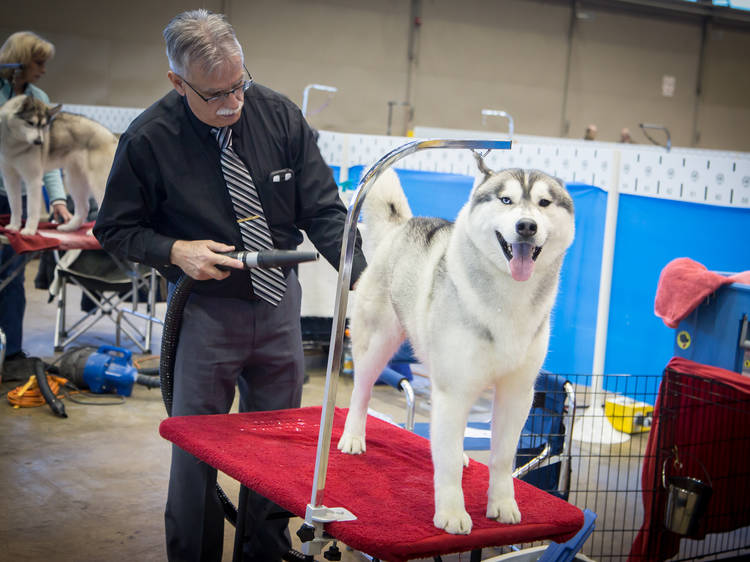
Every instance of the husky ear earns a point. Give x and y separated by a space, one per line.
27 104
482 165
53 110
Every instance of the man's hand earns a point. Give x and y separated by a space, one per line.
198 259
60 212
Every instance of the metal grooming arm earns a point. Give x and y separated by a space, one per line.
317 514
499 113
645 126
306 93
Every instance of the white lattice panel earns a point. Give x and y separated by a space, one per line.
707 177
699 176
334 148
742 183
116 119
364 150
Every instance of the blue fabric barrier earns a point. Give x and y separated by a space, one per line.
571 347
650 234
430 194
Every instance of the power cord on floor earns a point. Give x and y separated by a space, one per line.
98 399
29 395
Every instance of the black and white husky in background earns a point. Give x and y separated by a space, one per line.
36 138
474 298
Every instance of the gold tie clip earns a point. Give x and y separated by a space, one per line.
250 218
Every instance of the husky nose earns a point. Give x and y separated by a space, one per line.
37 141
526 228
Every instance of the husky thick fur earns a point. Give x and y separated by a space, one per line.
474 299
36 138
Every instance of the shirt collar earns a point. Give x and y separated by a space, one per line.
203 129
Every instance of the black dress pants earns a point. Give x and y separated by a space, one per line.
223 343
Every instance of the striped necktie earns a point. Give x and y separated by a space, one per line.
268 284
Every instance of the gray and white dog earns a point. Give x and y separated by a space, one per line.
36 138
474 298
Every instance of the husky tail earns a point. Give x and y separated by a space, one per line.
384 209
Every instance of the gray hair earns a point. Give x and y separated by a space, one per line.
199 37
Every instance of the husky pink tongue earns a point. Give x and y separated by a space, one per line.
521 266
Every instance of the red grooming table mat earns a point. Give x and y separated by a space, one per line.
49 238
389 488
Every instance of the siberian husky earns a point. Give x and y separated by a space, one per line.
36 138
474 298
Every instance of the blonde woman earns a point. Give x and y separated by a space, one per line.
32 53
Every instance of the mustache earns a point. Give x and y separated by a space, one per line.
228 111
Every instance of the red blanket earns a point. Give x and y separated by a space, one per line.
49 238
389 488
683 284
705 412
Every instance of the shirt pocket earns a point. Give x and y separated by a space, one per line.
279 192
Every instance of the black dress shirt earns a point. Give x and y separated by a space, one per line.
166 184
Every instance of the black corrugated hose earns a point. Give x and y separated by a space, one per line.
170 337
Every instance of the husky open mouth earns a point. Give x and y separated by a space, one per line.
521 257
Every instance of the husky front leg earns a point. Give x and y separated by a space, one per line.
13 188
33 204
449 414
513 398
77 185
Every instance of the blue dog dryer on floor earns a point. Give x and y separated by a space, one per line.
110 369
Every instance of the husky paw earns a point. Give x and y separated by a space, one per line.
70 226
352 444
13 226
455 522
26 231
504 511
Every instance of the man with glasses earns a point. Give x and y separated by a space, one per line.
222 163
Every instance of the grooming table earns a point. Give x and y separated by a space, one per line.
46 238
389 488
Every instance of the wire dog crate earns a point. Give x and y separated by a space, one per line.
664 461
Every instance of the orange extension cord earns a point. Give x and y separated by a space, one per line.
28 395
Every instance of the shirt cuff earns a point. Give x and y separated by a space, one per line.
159 250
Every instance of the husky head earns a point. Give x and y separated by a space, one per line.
28 118
520 219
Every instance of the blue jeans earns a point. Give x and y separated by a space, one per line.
13 296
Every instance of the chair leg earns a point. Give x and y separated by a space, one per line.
60 317
239 531
564 552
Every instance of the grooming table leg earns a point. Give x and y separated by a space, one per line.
239 531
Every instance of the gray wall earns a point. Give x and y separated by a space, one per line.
469 55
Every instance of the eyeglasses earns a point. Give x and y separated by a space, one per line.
244 85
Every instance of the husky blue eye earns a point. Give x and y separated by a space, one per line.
544 202
506 200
